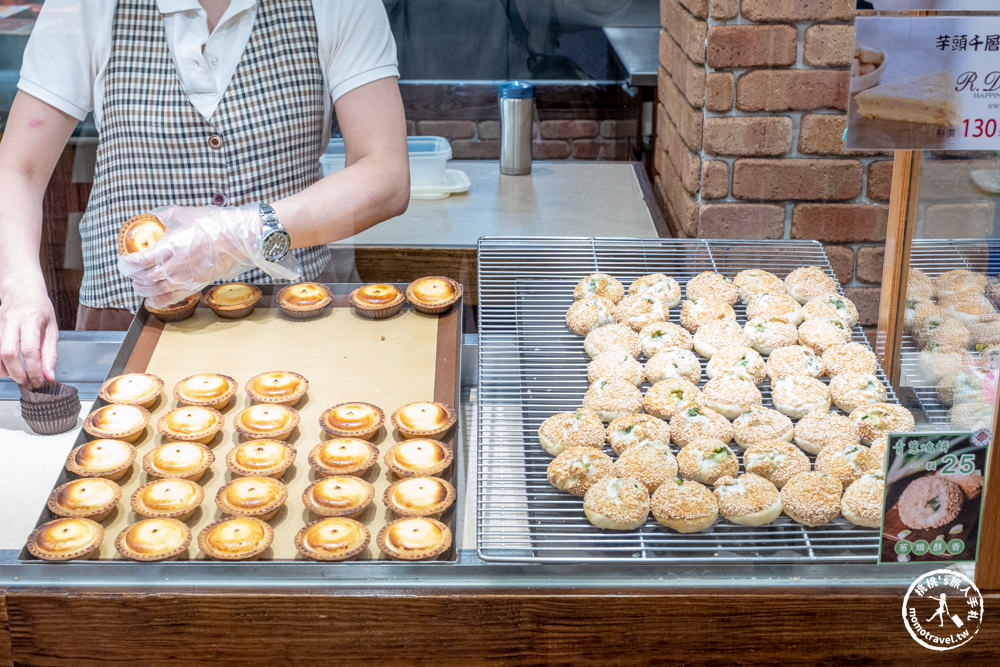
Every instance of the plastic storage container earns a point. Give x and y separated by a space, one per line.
428 157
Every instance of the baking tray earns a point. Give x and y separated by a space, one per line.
345 357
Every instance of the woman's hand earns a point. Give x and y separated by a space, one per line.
202 244
28 329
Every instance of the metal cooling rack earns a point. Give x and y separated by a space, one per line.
532 366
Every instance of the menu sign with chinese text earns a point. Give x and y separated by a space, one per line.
925 83
933 497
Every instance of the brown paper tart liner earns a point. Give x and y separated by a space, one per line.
389 458
276 470
434 308
347 554
366 433
113 474
436 432
144 402
50 409
291 400
180 514
350 511
376 311
237 311
83 552
128 435
123 231
246 555
192 475
176 312
98 513
277 434
426 554
165 555
297 312
433 512
204 437
263 512
217 402
358 469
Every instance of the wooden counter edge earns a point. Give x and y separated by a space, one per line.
808 625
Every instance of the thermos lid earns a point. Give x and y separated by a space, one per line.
516 90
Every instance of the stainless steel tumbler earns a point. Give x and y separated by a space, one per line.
517 100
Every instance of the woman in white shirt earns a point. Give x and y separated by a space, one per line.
215 109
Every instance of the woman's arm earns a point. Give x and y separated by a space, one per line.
33 140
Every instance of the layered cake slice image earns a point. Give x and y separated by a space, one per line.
929 99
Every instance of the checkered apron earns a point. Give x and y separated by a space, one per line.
262 143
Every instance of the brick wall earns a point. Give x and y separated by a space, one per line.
750 115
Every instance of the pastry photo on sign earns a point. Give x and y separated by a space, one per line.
927 98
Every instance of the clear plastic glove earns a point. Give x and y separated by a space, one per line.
28 331
202 244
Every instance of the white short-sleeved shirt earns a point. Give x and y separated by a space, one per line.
66 58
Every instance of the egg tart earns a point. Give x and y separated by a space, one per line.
208 390
424 419
132 389
256 496
153 539
176 312
343 456
238 538
89 498
418 457
140 232
302 301
284 387
105 457
419 496
118 422
434 294
266 458
66 539
378 302
333 538
232 301
191 423
172 498
185 460
352 420
339 495
414 538
266 421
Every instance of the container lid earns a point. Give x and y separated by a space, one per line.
517 90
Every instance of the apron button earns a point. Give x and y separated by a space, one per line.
215 142
219 199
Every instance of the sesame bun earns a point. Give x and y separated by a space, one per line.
879 419
714 336
944 331
576 469
610 337
937 363
831 305
615 365
638 311
651 464
812 498
659 286
878 449
752 282
930 502
749 500
848 358
766 335
862 501
985 331
673 363
972 416
616 503
599 284
850 391
958 281
665 398
738 361
775 460
637 429
822 428
966 386
807 282
697 312
694 423
919 285
612 398
658 336
821 333
684 505
793 360
847 462
582 428
918 310
969 311
775 306
590 313
708 284
760 424
796 395
729 396
705 461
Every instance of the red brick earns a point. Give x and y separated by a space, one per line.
449 129
840 223
870 259
867 300
688 119
879 180
798 178
687 76
723 9
719 91
792 90
619 129
748 135
569 129
550 150
473 149
790 11
585 149
959 221
687 29
751 45
489 129
822 134
681 207
714 179
697 7
686 162
741 221
615 149
829 45
842 260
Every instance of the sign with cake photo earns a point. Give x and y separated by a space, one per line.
925 82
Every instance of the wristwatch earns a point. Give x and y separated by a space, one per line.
275 242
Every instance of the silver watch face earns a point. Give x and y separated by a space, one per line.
275 245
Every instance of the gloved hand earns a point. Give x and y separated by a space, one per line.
202 244
28 329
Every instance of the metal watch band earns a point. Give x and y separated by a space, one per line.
270 218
